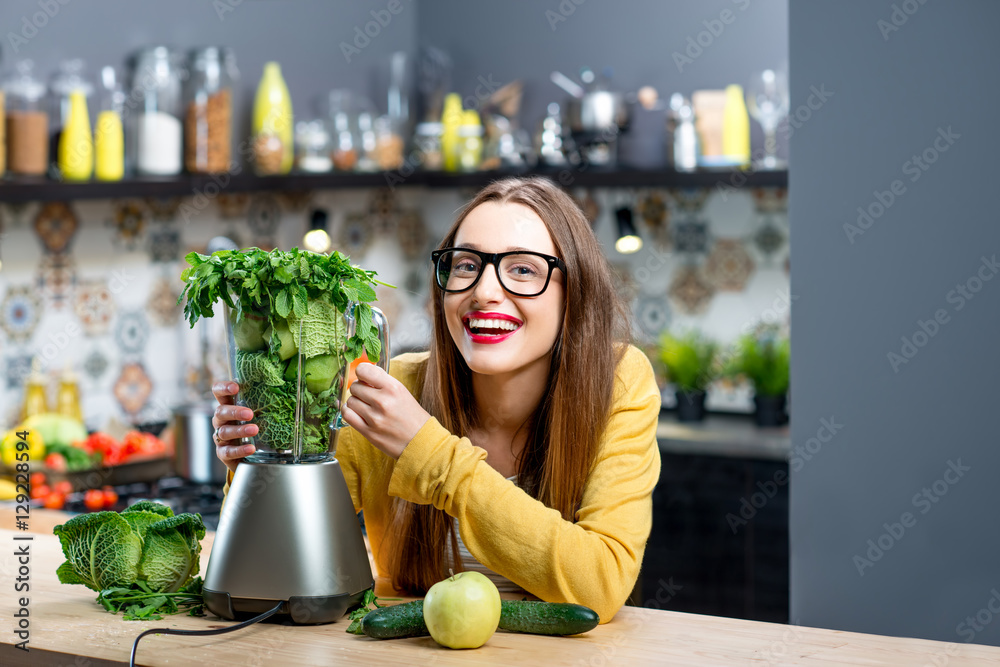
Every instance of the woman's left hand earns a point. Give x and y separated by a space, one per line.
383 410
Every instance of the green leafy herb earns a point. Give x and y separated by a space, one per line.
369 603
143 561
763 358
283 283
689 360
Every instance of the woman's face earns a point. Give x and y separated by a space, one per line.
537 321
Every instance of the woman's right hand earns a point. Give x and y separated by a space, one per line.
228 451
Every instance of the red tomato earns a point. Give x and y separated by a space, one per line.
133 443
93 500
37 479
56 462
110 497
54 501
64 487
40 491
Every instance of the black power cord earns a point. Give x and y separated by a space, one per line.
173 631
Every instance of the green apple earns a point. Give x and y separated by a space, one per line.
463 611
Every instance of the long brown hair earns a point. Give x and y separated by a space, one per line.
564 433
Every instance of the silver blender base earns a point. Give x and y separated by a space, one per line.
288 532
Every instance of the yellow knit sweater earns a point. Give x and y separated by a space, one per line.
594 561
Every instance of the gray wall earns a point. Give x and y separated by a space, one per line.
902 427
303 35
527 40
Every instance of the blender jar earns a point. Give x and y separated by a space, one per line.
292 373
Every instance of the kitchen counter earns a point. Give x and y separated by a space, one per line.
67 622
734 436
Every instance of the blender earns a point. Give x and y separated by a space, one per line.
288 532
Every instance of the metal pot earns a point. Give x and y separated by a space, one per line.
596 111
194 449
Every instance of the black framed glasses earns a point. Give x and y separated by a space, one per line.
520 272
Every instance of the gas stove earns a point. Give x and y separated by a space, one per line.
179 494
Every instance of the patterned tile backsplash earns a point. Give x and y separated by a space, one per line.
91 286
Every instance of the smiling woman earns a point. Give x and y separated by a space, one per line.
522 445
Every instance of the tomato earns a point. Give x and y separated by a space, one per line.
55 501
133 443
40 491
37 479
110 497
56 461
64 487
93 500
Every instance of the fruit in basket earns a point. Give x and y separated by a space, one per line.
56 461
55 429
9 446
462 611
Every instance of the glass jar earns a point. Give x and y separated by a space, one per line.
69 78
344 153
312 147
208 112
388 144
366 135
427 138
292 373
27 123
154 113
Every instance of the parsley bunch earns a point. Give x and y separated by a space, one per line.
282 282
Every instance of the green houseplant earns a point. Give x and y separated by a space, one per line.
689 361
763 359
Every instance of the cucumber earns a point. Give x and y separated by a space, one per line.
525 616
397 621
546 618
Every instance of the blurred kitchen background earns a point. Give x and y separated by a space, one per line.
650 113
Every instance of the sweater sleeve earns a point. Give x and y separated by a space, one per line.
594 561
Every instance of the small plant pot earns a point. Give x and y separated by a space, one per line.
690 406
770 410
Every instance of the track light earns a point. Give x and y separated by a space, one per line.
317 239
629 240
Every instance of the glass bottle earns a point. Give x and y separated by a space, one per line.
27 123
312 142
35 400
68 397
109 137
272 123
208 112
451 118
154 113
470 141
70 78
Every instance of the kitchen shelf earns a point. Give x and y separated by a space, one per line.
186 185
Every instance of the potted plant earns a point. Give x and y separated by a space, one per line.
689 363
763 359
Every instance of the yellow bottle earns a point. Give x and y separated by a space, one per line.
35 401
470 138
109 146
451 119
76 145
735 128
68 398
272 123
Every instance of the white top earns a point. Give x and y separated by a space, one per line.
470 564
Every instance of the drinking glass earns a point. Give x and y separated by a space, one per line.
767 103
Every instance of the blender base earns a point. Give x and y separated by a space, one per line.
301 610
288 532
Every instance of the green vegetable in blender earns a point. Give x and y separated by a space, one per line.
143 561
321 371
291 303
248 331
287 346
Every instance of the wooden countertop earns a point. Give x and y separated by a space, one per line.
67 622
